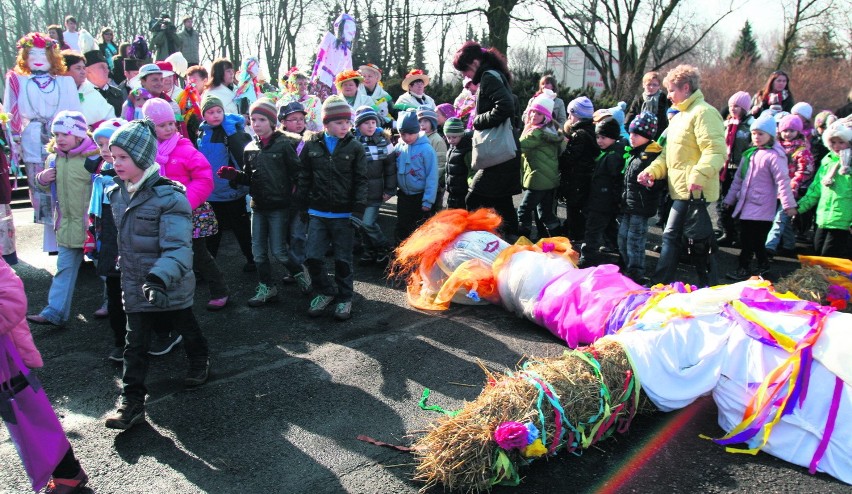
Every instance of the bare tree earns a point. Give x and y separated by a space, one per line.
622 34
801 15
525 60
280 23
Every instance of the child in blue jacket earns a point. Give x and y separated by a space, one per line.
416 176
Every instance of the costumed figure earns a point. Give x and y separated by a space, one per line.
414 84
334 54
247 89
778 366
372 87
36 90
296 89
348 84
465 102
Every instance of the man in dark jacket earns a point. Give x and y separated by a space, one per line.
164 37
97 72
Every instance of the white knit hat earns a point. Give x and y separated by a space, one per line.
802 109
543 103
841 128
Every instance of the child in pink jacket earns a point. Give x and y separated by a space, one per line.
761 179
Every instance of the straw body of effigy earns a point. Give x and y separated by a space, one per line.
573 400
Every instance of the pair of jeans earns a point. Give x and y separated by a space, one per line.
672 245
373 236
409 214
140 330
58 309
117 317
269 228
341 235
632 233
504 206
541 202
232 215
298 237
782 233
204 264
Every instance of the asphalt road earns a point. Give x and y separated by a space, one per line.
288 396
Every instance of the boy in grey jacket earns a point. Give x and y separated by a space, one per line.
154 222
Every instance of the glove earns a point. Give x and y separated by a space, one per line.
228 172
155 291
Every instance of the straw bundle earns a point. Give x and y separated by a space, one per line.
459 452
808 283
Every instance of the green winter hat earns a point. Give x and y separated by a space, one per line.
138 139
453 127
210 101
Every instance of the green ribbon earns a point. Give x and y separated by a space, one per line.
434 408
504 470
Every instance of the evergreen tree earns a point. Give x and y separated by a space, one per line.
745 50
484 41
357 43
372 45
419 46
823 46
470 36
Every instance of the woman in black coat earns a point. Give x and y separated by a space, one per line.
653 99
493 187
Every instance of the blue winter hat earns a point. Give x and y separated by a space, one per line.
582 107
645 125
429 114
107 128
407 123
766 123
364 113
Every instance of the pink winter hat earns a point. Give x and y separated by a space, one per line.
741 99
158 111
791 122
543 103
447 110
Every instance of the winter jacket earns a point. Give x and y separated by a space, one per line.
800 165
607 180
695 150
381 166
760 180
189 167
495 103
540 150
93 105
13 313
270 172
381 100
189 45
833 202
663 105
458 171
224 145
417 169
73 189
333 182
155 237
637 199
439 145
360 99
577 162
407 101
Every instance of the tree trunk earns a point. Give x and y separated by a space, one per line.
499 16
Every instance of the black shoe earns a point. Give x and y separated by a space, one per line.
162 346
739 275
368 258
117 354
383 257
770 254
250 267
763 270
127 415
657 248
786 253
198 374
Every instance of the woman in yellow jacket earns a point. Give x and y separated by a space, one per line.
691 160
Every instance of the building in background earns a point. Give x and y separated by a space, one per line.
573 69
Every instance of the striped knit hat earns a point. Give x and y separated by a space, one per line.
453 127
582 107
266 108
335 108
645 125
70 122
138 139
429 114
364 113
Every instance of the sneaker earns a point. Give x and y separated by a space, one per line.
117 354
343 311
67 486
318 305
304 281
217 303
265 294
739 275
197 374
127 415
102 312
163 345
368 258
250 267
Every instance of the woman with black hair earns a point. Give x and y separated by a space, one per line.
493 187
221 83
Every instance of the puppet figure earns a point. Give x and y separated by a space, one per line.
334 54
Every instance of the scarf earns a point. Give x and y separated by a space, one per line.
731 135
165 148
783 95
133 188
651 102
246 80
747 155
